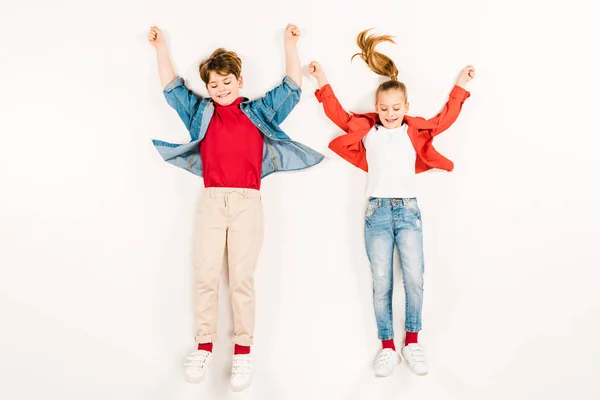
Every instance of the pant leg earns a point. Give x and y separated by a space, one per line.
409 239
244 241
209 252
379 241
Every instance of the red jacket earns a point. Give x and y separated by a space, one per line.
420 130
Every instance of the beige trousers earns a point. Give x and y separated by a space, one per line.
227 220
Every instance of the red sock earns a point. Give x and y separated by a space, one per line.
241 349
411 337
205 347
388 344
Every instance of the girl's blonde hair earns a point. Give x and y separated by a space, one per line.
378 62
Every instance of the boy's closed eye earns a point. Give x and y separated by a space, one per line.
215 86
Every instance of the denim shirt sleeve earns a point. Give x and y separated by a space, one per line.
277 103
182 100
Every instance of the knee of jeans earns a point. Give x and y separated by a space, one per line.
413 282
382 285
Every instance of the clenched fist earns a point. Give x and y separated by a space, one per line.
156 37
292 34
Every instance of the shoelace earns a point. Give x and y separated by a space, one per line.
417 353
197 359
383 358
241 365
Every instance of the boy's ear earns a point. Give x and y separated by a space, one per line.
406 107
241 81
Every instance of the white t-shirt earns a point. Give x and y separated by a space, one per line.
391 158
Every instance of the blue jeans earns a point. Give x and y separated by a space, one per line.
389 222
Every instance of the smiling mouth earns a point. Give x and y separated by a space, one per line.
223 95
391 121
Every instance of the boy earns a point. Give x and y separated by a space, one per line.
234 144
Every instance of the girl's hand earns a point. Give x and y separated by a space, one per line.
465 76
314 69
468 73
156 37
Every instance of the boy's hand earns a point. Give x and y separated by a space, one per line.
314 69
292 33
156 37
465 76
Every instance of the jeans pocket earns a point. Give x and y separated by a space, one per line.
371 208
413 207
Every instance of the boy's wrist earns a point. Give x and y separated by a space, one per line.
162 47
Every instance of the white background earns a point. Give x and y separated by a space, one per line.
96 230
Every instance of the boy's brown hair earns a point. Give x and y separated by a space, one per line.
221 61
378 62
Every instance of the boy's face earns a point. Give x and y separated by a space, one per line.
391 107
224 89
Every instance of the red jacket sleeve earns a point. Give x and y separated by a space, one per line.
333 109
450 112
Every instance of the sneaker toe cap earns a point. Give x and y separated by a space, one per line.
194 374
240 381
382 372
420 368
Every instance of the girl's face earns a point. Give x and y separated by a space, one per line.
391 106
224 89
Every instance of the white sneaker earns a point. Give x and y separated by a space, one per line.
196 364
415 355
386 362
241 372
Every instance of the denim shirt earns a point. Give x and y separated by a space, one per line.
280 153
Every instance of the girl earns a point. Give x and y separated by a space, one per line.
392 146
